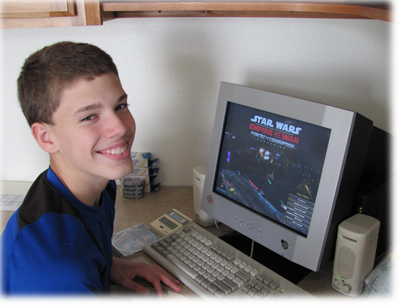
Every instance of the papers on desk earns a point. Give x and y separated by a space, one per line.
12 194
10 202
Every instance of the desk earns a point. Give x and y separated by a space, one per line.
130 212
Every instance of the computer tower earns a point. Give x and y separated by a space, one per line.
202 218
381 154
379 198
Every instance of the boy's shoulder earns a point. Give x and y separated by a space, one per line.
43 198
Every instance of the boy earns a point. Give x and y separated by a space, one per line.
59 240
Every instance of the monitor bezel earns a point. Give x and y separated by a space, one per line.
257 227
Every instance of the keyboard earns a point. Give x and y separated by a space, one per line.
214 269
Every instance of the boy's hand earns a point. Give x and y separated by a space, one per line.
123 272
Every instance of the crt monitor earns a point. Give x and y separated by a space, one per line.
284 171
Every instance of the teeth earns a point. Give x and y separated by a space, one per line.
118 150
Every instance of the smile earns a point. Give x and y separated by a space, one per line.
115 151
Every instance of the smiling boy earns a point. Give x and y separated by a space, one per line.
59 240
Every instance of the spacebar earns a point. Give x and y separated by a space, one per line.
181 265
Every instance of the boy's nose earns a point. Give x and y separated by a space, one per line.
115 127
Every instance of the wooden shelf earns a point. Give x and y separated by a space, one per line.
48 13
243 9
56 13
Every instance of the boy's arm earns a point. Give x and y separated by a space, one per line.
123 272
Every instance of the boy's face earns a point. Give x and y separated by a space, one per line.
94 130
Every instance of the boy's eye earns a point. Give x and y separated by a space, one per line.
121 106
88 118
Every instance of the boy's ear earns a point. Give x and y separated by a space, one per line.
43 136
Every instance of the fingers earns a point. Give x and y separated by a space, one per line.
155 275
158 288
171 282
123 273
135 287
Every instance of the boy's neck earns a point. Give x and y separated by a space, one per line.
87 193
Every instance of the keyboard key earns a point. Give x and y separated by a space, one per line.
222 287
273 285
266 291
221 277
219 294
259 286
229 257
246 288
212 288
194 233
238 281
212 278
174 236
254 272
242 265
232 285
259 296
199 279
205 283
252 292
224 253
185 268
248 268
186 229
267 281
244 276
230 276
168 240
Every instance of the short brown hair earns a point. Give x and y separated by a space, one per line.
47 72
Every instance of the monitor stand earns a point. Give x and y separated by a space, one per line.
285 268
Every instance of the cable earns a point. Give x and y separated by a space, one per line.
220 229
252 248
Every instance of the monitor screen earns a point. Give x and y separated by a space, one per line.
271 164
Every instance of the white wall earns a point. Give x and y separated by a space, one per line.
171 69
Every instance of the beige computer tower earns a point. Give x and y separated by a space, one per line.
355 253
202 218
